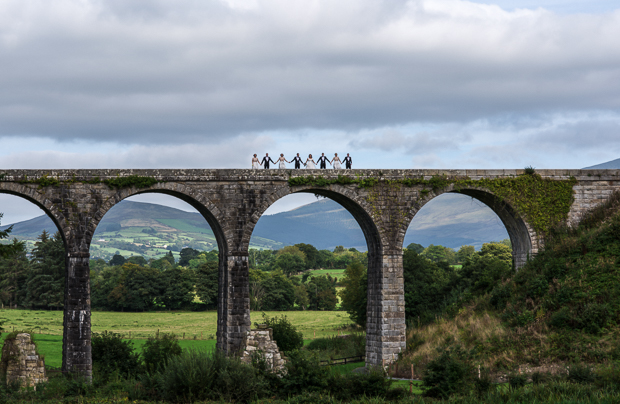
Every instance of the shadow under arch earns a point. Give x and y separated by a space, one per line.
376 336
522 236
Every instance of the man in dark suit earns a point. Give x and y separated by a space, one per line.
266 160
322 161
297 161
348 161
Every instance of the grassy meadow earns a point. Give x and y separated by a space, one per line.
194 329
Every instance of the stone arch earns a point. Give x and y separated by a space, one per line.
522 236
385 326
30 194
346 197
209 211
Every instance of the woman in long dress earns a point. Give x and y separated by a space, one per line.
255 163
310 164
282 160
336 162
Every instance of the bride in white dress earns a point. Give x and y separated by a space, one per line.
336 162
255 163
310 164
282 160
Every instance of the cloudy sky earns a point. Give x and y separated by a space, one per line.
398 84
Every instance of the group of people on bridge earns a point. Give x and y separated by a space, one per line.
309 163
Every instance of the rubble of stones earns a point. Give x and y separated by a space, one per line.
260 342
20 362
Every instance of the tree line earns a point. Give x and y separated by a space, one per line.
279 279
433 284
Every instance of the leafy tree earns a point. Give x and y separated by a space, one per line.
14 268
339 249
137 289
326 259
117 259
497 250
290 263
4 249
311 253
301 296
354 293
186 255
428 285
177 288
137 259
170 258
465 252
322 293
293 250
483 270
97 265
418 248
206 279
46 281
279 292
437 253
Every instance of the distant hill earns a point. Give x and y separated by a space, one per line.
452 220
610 165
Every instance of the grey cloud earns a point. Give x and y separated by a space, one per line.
234 153
419 143
189 71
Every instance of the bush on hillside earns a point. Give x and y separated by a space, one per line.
447 374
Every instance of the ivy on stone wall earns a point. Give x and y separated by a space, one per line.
130 181
543 202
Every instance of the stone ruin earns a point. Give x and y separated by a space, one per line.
260 342
21 363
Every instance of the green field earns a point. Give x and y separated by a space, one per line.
199 325
194 329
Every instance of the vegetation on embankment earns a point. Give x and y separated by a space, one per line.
562 307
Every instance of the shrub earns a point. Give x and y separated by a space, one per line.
595 316
200 376
284 333
113 355
370 384
580 373
157 351
303 373
517 380
447 374
538 377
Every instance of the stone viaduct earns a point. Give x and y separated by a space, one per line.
232 201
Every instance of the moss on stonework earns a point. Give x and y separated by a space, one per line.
113 183
543 202
130 181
